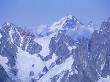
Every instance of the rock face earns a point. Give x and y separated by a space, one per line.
3 75
69 52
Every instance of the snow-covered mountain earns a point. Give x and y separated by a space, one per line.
66 51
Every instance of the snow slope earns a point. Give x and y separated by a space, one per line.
57 69
104 79
27 63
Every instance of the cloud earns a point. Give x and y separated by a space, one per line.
40 29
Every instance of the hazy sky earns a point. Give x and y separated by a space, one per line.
31 13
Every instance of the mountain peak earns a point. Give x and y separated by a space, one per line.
6 24
70 17
69 21
108 19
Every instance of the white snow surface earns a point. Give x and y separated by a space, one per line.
61 76
3 61
57 69
76 71
104 79
24 65
21 41
44 42
50 61
102 66
70 47
0 35
10 34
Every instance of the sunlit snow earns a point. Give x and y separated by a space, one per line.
24 65
10 34
104 79
57 69
0 35
44 42
3 61
50 61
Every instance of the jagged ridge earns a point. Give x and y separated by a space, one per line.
58 56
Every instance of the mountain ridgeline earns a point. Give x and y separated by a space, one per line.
68 51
